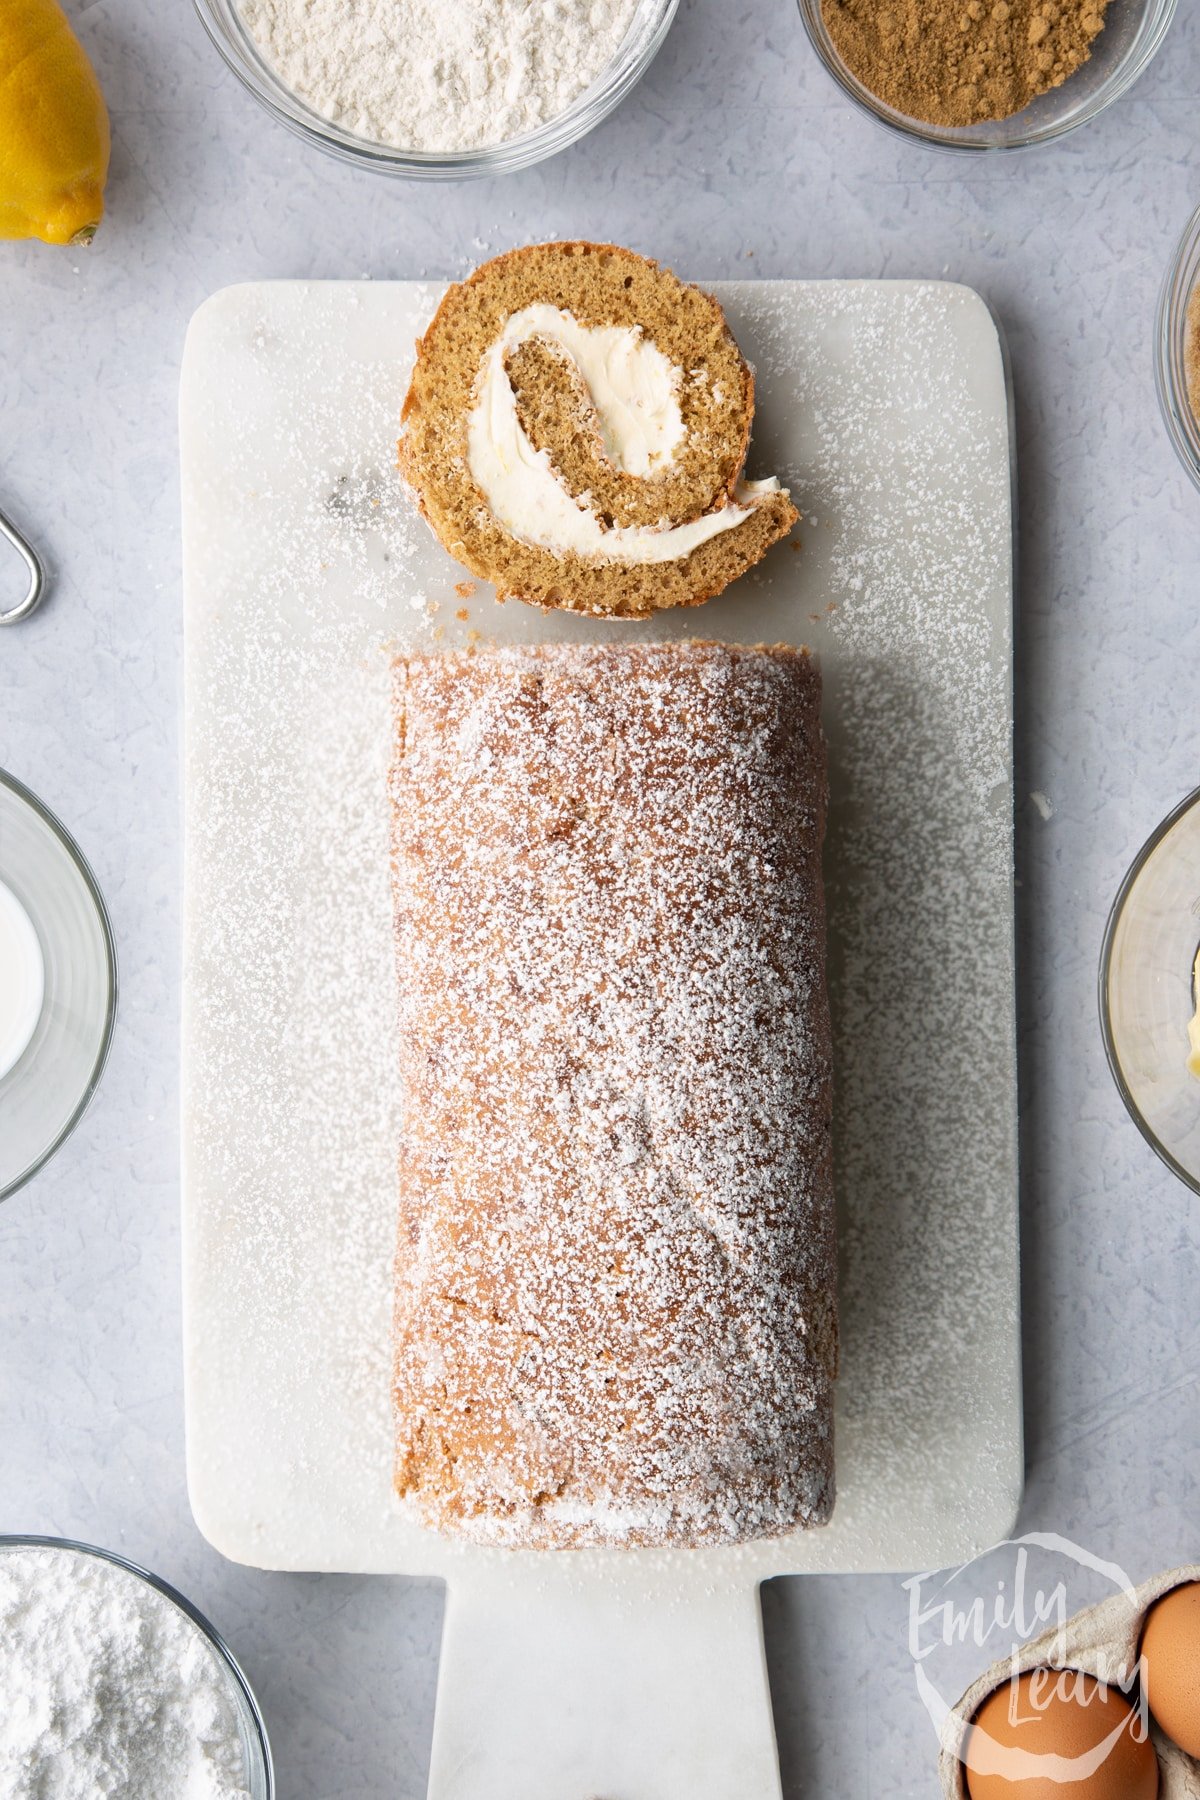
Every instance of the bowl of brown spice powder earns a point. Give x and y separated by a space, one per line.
985 74
1177 369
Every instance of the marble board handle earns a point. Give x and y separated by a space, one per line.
591 1689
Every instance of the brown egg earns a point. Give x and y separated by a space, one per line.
1058 1735
1171 1665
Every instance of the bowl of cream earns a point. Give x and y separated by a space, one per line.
58 984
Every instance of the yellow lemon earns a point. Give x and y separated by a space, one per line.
54 139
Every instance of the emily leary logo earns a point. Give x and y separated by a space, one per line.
985 1612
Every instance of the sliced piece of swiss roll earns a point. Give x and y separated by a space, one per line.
576 433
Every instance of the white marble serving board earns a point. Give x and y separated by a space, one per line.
885 407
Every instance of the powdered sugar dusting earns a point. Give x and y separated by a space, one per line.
883 407
616 1267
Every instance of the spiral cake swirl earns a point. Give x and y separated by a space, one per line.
576 432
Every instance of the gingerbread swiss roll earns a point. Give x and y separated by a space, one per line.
615 1314
576 431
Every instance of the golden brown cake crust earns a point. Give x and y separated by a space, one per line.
615 1300
599 284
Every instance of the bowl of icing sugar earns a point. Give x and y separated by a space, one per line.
114 1685
439 88
58 984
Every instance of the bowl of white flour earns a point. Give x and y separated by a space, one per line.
439 88
114 1685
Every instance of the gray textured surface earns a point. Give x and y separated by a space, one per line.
736 156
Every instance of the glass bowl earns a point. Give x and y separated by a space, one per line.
52 924
1133 31
223 22
1146 999
1170 368
256 1749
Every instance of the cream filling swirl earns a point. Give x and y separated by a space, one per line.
634 389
